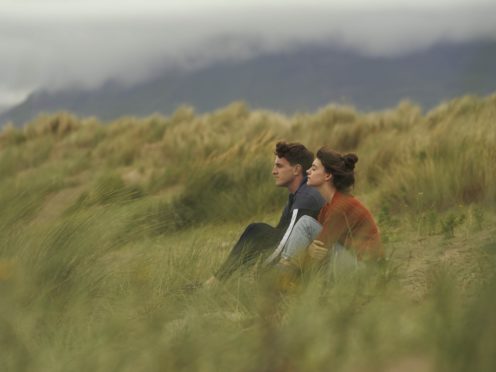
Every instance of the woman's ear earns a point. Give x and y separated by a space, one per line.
328 176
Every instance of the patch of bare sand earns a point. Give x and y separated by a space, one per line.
56 203
463 256
411 364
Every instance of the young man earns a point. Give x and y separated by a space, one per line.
262 240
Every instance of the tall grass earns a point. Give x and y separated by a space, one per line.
103 228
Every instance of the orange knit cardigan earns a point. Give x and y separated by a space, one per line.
347 221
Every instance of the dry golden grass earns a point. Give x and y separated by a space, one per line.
102 227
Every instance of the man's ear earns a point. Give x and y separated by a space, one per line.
298 169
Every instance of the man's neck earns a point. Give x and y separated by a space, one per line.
295 184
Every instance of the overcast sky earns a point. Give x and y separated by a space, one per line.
52 44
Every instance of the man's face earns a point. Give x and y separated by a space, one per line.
283 172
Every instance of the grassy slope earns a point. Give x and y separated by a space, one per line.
102 226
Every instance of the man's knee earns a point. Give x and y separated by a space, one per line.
259 230
252 227
256 236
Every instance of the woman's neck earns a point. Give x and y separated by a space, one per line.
327 191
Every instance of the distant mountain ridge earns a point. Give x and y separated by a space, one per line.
300 80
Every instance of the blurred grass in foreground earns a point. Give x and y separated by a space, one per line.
102 226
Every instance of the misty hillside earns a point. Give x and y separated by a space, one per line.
301 80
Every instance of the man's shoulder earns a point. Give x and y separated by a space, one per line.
308 198
308 190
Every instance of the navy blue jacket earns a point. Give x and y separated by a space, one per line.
306 198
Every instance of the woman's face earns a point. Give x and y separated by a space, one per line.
317 174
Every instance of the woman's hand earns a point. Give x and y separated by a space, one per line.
317 251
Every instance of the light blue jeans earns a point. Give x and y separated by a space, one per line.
341 262
304 232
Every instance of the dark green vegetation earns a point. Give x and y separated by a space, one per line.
102 226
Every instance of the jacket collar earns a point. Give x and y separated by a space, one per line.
303 182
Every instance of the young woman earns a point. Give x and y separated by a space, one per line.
345 232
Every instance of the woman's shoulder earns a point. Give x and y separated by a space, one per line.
347 202
343 199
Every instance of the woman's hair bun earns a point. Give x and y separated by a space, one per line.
350 161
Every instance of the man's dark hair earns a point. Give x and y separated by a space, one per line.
295 153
